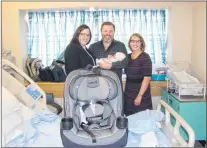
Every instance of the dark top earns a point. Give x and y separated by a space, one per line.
139 67
98 51
135 71
77 57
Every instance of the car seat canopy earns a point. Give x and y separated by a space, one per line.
93 87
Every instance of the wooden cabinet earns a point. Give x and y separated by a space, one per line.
52 87
58 88
193 111
156 87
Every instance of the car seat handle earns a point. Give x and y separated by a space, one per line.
95 70
89 67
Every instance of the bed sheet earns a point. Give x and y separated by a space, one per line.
134 140
43 130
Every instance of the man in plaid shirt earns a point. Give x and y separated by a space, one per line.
109 46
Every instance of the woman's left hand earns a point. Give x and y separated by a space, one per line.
138 100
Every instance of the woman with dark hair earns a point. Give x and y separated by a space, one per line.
137 96
76 54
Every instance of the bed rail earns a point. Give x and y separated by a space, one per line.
173 132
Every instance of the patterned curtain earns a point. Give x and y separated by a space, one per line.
50 32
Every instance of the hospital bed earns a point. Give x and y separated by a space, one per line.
50 126
15 83
39 127
25 89
20 98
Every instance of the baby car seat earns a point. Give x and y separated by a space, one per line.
93 110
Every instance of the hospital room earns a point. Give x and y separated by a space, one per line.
103 74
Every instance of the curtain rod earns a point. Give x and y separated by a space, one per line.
65 10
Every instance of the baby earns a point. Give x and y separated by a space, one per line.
119 56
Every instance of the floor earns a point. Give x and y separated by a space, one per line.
198 144
155 101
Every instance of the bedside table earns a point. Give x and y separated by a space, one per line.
192 109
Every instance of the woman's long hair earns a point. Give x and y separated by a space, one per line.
77 33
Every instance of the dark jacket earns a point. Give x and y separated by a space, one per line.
76 57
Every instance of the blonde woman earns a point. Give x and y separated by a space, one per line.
137 96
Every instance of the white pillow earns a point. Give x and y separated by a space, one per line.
11 118
10 103
11 122
10 125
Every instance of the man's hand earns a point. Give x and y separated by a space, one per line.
105 65
138 100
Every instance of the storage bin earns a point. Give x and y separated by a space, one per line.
158 77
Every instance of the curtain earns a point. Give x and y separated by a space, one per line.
50 32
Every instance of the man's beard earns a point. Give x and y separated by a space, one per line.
107 40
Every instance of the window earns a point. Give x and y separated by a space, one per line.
50 32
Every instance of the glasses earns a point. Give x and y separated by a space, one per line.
135 41
86 35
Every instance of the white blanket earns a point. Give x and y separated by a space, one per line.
144 130
149 139
43 130
184 77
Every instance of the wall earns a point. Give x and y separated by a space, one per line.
198 58
180 30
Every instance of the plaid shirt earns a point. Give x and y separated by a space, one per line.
98 51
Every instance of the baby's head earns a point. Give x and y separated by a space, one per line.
112 58
119 56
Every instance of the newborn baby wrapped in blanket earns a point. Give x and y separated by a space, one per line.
119 56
